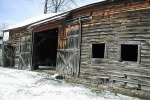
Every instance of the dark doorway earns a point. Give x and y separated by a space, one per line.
129 52
45 49
98 50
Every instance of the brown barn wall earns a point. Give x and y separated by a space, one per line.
116 24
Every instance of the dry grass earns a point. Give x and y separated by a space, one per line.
51 72
144 95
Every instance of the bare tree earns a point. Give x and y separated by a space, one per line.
2 27
57 5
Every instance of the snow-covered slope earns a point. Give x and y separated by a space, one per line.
27 85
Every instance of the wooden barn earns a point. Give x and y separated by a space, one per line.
105 43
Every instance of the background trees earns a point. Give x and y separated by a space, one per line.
58 5
2 27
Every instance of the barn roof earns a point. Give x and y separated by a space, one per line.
46 17
33 20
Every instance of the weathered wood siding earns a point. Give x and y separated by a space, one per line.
25 50
115 24
16 42
68 50
8 55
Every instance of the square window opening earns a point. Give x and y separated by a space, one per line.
129 52
98 50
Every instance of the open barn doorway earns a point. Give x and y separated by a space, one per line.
45 49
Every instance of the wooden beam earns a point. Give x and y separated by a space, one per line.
41 41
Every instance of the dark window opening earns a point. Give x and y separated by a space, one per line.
45 49
129 52
98 50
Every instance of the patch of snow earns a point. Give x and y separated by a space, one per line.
96 1
28 85
33 20
0 41
59 16
54 76
6 36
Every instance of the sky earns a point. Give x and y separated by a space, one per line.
16 11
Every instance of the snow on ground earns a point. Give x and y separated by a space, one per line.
28 85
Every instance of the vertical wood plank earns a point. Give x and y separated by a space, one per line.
105 52
139 54
119 52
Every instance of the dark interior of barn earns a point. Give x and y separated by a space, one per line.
129 52
98 50
45 49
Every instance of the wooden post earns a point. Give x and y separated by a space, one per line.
2 51
79 47
119 52
139 54
19 51
105 52
90 52
31 50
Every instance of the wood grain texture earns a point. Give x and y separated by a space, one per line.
120 24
